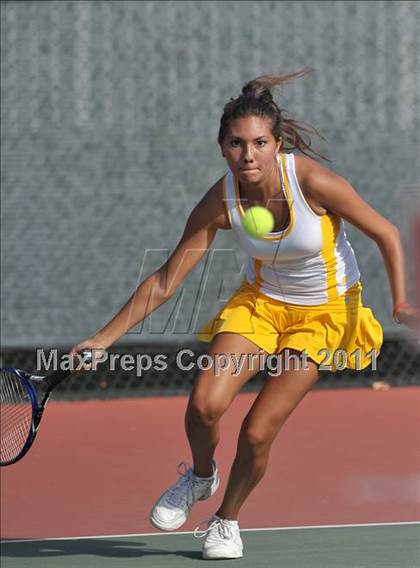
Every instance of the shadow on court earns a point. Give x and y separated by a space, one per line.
123 548
373 546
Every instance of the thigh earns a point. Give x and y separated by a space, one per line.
241 359
278 398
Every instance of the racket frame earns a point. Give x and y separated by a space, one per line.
49 382
37 410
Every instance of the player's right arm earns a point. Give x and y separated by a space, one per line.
207 217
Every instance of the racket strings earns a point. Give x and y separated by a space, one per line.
16 416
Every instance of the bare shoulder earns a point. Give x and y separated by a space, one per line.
212 208
309 172
336 195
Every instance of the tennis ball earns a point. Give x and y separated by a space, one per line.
258 221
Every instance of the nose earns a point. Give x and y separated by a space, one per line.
248 156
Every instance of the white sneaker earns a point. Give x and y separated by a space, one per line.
223 539
172 508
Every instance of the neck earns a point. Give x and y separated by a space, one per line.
261 192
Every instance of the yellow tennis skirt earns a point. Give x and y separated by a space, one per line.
336 335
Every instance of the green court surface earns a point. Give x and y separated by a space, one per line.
358 546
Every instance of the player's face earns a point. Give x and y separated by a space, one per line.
250 149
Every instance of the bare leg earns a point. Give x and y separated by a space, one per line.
277 399
213 394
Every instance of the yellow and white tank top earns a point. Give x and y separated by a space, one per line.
310 262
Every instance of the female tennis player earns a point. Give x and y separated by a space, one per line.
301 295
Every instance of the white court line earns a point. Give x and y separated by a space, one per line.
175 533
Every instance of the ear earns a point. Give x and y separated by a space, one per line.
279 144
221 150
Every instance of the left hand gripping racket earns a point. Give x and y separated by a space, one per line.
23 398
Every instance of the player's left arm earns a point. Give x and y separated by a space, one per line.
336 195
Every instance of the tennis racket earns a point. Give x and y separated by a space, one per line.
23 398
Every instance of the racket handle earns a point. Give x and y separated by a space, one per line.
57 376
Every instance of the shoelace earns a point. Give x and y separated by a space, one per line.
176 497
223 527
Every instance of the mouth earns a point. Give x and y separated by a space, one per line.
249 170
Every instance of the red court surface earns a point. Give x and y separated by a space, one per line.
343 457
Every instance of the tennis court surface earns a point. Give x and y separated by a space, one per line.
342 488
385 546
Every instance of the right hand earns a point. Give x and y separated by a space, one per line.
98 353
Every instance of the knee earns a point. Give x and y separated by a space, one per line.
204 411
258 437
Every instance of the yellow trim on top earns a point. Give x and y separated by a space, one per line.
288 197
330 226
226 200
257 272
279 234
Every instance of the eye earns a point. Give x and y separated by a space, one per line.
261 143
234 143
